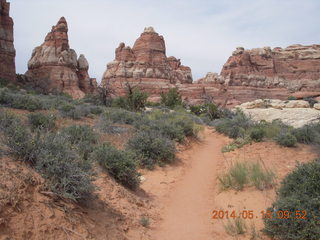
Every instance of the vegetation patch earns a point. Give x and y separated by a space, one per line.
122 165
299 195
42 121
242 174
235 227
153 148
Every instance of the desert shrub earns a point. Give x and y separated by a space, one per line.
27 102
241 174
197 109
236 226
238 143
257 134
153 147
172 98
261 178
135 100
82 137
209 110
120 102
175 126
17 137
106 126
115 115
96 110
94 99
21 100
153 104
74 111
42 121
292 98
308 134
299 191
311 101
236 178
3 82
286 139
66 172
119 164
80 133
145 221
234 127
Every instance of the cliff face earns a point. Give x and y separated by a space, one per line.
54 66
145 65
266 73
7 51
295 68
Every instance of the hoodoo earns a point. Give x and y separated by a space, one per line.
145 65
54 66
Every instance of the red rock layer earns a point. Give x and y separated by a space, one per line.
7 51
54 66
145 65
295 68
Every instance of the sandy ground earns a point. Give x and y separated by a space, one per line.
187 193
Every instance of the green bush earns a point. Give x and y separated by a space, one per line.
153 147
42 121
311 101
17 137
234 127
299 191
257 134
308 134
209 110
261 178
292 98
236 226
135 100
119 164
75 112
66 172
115 115
238 143
176 126
82 137
241 174
172 98
286 139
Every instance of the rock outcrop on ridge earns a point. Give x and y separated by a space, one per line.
54 66
267 73
295 68
7 51
145 65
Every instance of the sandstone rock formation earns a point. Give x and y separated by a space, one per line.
295 68
54 66
7 51
145 65
267 73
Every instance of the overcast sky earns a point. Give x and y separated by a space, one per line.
202 33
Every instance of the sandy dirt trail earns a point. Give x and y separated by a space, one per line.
187 214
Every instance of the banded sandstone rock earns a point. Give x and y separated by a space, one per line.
145 65
7 51
54 66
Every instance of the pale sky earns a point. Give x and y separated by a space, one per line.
202 33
